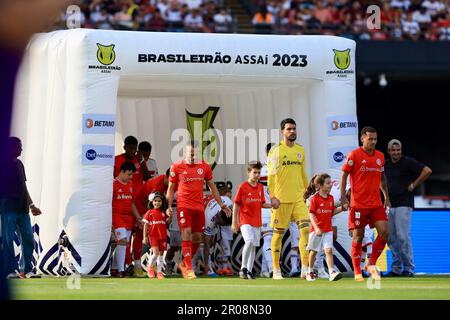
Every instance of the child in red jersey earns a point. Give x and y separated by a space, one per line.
248 203
155 230
124 215
321 211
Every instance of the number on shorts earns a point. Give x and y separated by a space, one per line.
357 215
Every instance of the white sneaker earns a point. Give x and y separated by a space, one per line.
335 276
265 274
277 274
304 273
13 275
311 276
322 274
32 275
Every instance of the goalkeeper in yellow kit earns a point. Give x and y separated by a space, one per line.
286 182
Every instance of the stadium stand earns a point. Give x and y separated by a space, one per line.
399 19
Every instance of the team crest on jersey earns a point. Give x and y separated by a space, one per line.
299 156
275 221
172 174
350 163
200 171
379 162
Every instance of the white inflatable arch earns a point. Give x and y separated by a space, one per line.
80 92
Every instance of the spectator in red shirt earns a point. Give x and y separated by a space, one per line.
156 22
365 166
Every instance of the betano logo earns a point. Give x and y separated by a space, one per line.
342 59
106 54
99 123
89 123
335 125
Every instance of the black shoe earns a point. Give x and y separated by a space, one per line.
243 273
129 271
250 276
407 274
393 274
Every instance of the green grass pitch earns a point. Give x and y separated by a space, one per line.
202 288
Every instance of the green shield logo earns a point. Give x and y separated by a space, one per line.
106 54
342 59
200 127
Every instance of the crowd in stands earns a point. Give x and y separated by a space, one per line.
399 19
152 15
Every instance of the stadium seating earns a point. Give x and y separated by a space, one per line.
358 20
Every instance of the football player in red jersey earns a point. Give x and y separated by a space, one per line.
130 145
124 215
365 166
190 174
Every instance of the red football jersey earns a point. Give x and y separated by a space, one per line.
137 177
190 179
323 209
250 200
151 185
365 177
122 199
157 223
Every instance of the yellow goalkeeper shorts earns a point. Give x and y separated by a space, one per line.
287 212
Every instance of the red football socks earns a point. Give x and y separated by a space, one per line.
356 253
377 249
186 249
128 258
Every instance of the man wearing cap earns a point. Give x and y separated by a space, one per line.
404 174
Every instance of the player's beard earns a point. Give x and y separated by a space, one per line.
292 137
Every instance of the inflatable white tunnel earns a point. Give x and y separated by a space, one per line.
81 92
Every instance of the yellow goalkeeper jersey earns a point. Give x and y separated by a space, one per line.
287 179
